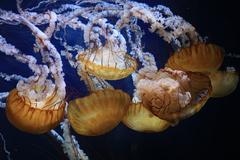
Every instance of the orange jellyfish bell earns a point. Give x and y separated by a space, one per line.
197 58
140 119
223 83
107 64
175 95
32 116
99 112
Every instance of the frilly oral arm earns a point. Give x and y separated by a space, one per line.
70 144
56 68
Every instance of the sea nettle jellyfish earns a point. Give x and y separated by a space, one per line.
199 57
107 62
99 112
33 116
173 95
141 119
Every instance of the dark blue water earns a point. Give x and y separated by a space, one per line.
210 134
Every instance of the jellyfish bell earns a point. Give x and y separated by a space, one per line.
106 63
140 119
199 57
33 116
223 82
174 95
99 112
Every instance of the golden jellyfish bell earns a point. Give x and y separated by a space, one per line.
223 83
34 117
140 119
197 58
99 112
107 64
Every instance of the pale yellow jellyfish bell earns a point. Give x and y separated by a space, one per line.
107 64
200 57
34 117
140 119
223 82
99 112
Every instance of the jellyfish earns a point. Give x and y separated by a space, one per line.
223 82
37 104
106 63
99 112
200 57
140 119
173 95
32 116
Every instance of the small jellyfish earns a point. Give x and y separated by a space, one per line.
34 117
197 58
99 112
106 63
223 82
140 119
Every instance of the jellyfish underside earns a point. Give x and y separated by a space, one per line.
99 112
107 64
174 96
32 116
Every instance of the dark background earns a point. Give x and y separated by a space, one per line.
210 134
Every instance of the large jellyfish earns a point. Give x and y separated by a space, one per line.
173 95
37 104
34 116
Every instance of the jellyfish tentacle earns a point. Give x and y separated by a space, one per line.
93 83
70 144
3 96
158 23
6 151
9 49
52 24
56 68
